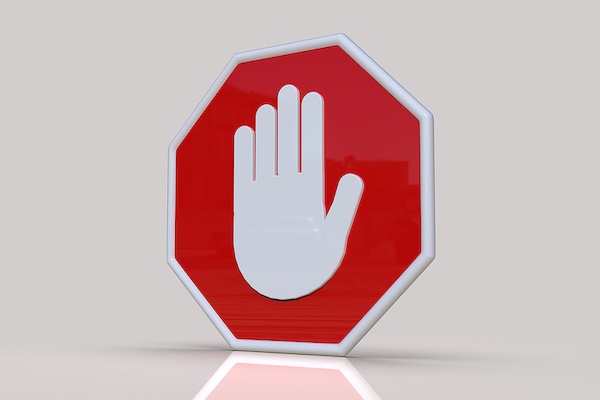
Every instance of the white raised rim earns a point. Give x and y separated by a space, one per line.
427 199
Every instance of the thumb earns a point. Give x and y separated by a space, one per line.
345 203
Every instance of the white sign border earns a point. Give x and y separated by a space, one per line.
427 198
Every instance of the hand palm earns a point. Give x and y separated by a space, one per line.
285 245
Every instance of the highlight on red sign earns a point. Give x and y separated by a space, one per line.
301 197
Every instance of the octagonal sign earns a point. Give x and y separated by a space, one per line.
301 197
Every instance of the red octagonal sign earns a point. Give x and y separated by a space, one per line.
301 197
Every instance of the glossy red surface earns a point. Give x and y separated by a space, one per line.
367 132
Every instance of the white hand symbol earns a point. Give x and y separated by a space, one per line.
285 245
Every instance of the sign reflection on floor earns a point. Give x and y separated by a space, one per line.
281 376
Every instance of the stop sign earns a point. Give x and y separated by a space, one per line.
301 197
